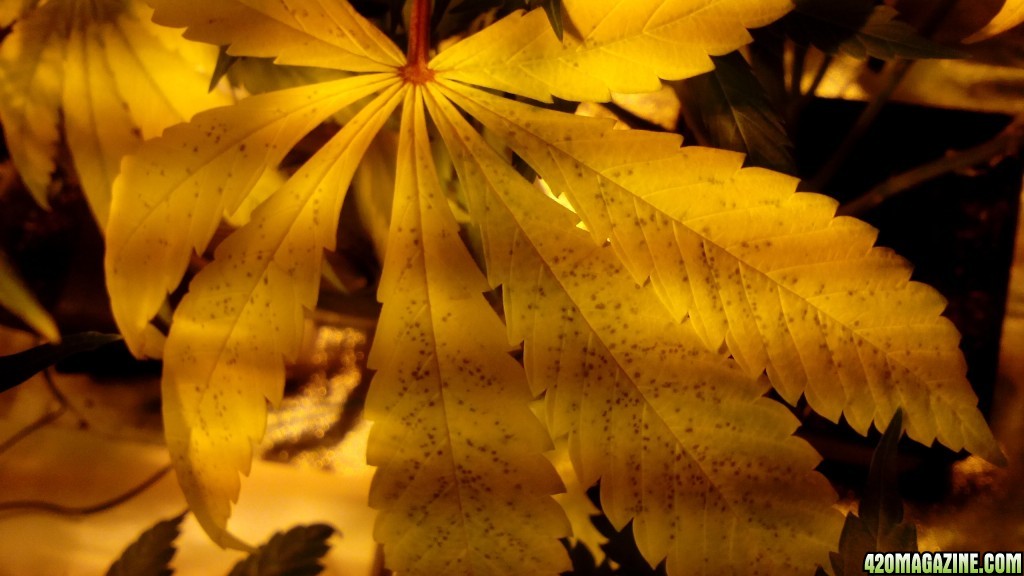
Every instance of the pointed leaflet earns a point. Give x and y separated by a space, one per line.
172 194
242 318
738 115
880 526
151 553
1009 16
859 28
301 32
462 484
113 75
609 46
576 504
767 271
684 443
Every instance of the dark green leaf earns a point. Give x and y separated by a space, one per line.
859 28
151 554
854 542
224 63
881 508
737 115
16 368
553 8
880 526
296 552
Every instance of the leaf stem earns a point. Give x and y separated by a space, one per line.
415 70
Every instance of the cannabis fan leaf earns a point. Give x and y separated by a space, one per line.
653 315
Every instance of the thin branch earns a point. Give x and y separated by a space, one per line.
60 509
891 78
32 428
1006 143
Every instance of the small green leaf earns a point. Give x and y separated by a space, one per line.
16 368
859 28
881 508
296 552
224 63
737 115
880 526
151 554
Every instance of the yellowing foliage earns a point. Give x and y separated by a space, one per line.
111 76
652 335
608 46
462 484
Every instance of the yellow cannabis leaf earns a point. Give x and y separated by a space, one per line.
461 483
753 265
242 318
1009 16
323 34
112 77
682 440
608 46
647 331
194 174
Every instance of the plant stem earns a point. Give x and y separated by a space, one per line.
28 430
60 509
415 70
892 77
1006 143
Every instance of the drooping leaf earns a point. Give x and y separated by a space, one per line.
326 35
16 297
296 552
1009 16
879 527
859 28
754 266
242 319
191 176
16 368
462 485
684 443
737 114
608 46
152 553
110 74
